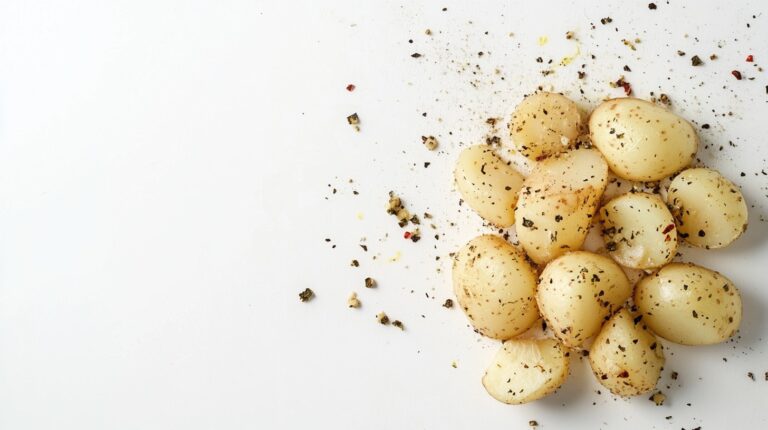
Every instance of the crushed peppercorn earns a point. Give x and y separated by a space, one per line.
306 295
370 283
696 61
448 303
430 142
353 301
382 318
658 398
398 324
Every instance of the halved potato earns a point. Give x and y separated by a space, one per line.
495 285
525 370
640 140
710 210
577 292
488 184
557 202
689 304
639 230
625 357
545 124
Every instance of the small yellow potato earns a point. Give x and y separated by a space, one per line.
495 286
577 292
625 357
545 124
710 210
488 184
557 202
689 304
525 370
639 230
640 140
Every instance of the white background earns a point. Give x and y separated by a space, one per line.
164 169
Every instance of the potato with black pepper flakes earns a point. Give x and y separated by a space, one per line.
710 211
625 356
557 203
639 230
545 124
689 304
495 286
525 370
640 140
488 184
577 292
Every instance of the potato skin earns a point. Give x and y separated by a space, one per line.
688 304
545 124
710 210
577 292
495 286
557 202
625 357
525 370
488 185
639 230
640 140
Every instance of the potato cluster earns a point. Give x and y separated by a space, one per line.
583 296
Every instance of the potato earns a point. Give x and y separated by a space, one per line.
557 203
545 124
577 292
639 230
525 370
709 209
625 357
495 285
642 141
488 185
689 304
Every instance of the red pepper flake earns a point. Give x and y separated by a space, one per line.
668 228
750 58
351 87
627 88
736 74
667 238
407 235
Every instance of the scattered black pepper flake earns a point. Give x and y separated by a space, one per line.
652 6
398 324
582 75
448 303
637 320
627 69
595 278
751 375
415 55
610 246
370 283
705 126
606 20
533 423
695 314
696 61
382 318
527 223
306 295
355 263
674 375
558 218
680 53
702 233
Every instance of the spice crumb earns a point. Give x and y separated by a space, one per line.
658 398
398 324
751 375
354 121
382 318
430 142
306 295
353 301
351 87
370 282
736 74
449 304
355 263
674 375
533 423
415 55
696 61
652 6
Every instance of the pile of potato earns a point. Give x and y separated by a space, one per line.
583 296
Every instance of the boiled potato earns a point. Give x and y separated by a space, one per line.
557 203
689 304
640 140
525 370
495 286
709 209
577 292
488 185
625 357
639 230
545 124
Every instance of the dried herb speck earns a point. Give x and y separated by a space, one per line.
306 295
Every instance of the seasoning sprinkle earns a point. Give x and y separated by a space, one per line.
382 318
449 304
351 87
430 142
415 55
353 301
736 74
398 324
658 398
306 295
696 61
370 283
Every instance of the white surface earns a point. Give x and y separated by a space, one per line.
163 173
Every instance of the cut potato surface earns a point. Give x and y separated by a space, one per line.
557 202
577 292
488 185
639 230
710 210
689 304
640 140
495 285
526 370
545 124
625 357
